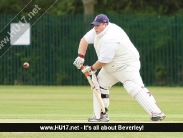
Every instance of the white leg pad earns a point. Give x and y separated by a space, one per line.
150 94
145 101
105 100
137 92
96 105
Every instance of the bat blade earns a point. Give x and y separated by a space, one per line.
98 96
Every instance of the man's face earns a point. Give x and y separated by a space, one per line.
99 28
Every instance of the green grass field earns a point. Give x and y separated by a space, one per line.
74 104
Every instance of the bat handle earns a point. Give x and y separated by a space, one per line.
85 73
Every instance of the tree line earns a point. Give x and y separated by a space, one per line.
62 7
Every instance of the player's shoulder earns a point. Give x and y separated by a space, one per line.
114 26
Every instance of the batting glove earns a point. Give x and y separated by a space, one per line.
79 61
88 69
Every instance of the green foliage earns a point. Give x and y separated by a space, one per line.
160 75
138 6
61 7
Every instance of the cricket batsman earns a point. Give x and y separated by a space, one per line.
118 61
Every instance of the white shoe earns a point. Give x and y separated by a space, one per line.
157 117
93 119
103 118
162 117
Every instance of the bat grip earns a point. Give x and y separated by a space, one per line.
85 73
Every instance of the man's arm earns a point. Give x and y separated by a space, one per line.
83 45
97 65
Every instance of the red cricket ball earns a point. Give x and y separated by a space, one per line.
26 65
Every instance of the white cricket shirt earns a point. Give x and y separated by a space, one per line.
108 49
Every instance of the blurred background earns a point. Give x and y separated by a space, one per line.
56 27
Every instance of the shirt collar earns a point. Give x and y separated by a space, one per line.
104 31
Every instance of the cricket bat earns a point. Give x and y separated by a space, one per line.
94 90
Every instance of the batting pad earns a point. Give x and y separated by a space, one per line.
96 105
150 94
147 103
143 98
105 100
95 81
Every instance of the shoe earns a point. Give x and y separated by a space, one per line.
103 118
93 119
162 117
157 117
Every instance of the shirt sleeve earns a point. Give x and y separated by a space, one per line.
89 36
108 51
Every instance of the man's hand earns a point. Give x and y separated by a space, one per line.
79 61
89 70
